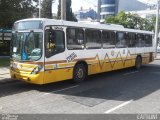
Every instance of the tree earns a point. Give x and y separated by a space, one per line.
12 10
132 21
69 14
47 8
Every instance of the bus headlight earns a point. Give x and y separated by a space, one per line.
37 69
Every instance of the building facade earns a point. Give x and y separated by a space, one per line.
112 7
107 8
131 5
84 14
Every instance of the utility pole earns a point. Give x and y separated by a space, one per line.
63 9
39 8
156 28
98 10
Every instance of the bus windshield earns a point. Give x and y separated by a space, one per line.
26 46
26 25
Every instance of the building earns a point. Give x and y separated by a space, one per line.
131 5
148 11
84 14
107 8
112 7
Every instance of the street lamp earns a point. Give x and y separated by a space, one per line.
156 27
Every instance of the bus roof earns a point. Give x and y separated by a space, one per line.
86 25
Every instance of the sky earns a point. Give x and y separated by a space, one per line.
148 1
77 4
86 4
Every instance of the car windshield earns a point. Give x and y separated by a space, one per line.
26 46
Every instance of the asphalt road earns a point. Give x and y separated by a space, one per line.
123 91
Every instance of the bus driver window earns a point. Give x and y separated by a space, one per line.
54 40
50 39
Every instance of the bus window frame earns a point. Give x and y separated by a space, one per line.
111 31
86 40
134 41
45 42
150 39
137 40
125 37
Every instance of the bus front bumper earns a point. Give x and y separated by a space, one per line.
30 78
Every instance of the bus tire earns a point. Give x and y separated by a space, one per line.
138 63
79 73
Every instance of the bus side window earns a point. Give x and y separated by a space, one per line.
140 40
93 39
54 41
131 40
75 38
121 40
80 38
148 40
108 38
51 40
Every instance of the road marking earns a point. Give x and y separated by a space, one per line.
119 106
62 89
131 73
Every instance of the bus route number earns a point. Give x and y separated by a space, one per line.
58 28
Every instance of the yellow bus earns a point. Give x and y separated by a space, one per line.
46 50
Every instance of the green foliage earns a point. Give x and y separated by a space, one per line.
132 21
4 62
12 10
47 8
69 14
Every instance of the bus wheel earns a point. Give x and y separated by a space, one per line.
79 73
138 63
